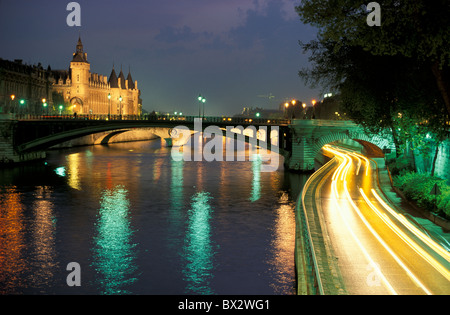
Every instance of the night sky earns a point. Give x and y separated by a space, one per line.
230 51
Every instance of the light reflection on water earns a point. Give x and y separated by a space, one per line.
114 251
139 222
12 241
198 248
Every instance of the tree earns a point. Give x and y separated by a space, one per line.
416 29
385 71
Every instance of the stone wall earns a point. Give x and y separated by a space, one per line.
8 154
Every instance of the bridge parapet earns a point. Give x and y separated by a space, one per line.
299 140
309 136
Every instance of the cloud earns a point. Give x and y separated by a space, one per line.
170 34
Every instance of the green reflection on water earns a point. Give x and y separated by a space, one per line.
256 182
114 253
198 246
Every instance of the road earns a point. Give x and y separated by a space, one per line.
376 248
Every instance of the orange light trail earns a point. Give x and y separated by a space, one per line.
341 173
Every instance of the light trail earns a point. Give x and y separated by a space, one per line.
419 250
425 238
335 196
341 173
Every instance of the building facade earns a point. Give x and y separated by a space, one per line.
84 92
24 89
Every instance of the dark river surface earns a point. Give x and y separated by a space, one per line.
138 222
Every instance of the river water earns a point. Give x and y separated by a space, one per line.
138 222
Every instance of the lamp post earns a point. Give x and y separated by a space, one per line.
109 106
21 102
201 101
45 105
314 109
304 110
293 102
12 99
120 107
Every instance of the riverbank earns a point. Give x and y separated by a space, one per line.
416 190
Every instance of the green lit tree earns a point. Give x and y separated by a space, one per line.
415 29
400 67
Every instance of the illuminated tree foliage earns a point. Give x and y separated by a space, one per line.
391 77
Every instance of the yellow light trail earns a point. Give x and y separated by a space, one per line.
342 172
407 239
335 196
425 238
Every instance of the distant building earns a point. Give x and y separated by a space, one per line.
23 87
252 112
84 92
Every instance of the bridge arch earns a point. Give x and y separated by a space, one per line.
105 132
374 145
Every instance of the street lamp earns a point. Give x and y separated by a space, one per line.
201 101
120 107
314 109
109 106
60 109
12 99
21 102
286 105
44 104
293 102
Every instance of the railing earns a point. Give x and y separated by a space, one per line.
159 118
309 245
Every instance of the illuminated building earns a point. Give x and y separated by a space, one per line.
84 92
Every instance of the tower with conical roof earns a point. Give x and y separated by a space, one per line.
80 70
84 92
113 80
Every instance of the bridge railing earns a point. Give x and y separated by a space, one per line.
148 117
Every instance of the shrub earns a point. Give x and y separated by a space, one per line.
417 187
399 166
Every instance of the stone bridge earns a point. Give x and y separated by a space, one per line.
309 136
299 141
